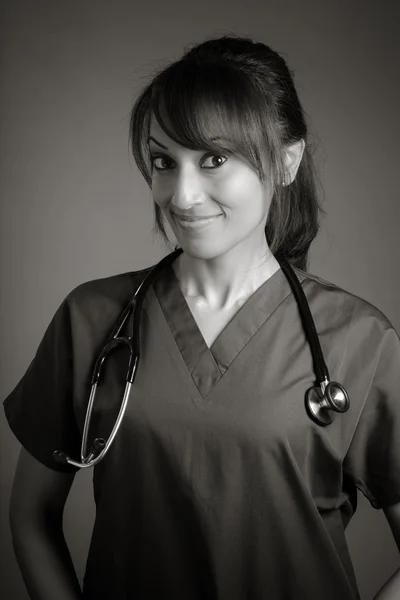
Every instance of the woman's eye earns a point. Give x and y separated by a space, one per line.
163 163
215 160
212 161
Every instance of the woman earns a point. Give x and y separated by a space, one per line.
219 484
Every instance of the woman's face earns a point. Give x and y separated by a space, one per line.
221 199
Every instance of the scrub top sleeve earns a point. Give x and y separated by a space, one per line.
40 408
373 459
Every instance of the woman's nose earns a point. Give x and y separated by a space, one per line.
185 202
188 192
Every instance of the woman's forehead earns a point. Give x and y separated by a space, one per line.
156 130
157 133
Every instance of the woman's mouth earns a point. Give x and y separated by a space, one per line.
195 223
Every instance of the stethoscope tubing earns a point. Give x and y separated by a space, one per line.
317 403
100 447
320 368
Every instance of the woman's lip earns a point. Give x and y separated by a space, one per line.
195 224
190 219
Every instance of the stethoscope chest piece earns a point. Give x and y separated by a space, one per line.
321 400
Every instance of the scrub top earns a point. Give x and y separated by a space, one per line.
218 484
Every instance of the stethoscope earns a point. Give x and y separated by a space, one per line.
320 399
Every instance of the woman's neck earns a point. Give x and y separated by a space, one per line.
224 281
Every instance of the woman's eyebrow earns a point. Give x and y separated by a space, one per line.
156 142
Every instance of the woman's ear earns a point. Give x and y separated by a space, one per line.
293 156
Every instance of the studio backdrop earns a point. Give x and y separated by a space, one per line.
74 207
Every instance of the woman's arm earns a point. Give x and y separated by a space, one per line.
36 509
391 589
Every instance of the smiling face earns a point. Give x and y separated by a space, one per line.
222 191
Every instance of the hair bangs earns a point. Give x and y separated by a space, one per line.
210 106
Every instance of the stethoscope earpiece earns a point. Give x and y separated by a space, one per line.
320 400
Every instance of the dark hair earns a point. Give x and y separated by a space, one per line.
242 93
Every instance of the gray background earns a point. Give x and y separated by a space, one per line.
74 207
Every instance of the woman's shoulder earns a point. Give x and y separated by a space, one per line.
330 298
109 285
98 295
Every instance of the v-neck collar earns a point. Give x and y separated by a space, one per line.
207 365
